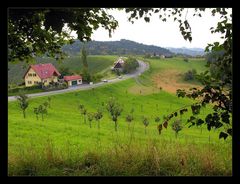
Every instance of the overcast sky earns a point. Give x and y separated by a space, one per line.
163 34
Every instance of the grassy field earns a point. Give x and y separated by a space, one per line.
63 144
96 64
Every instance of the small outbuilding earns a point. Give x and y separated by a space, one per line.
118 65
73 80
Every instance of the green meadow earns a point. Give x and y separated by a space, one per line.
63 144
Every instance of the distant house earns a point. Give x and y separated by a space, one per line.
162 56
118 65
73 80
41 74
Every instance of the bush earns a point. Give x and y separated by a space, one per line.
55 86
130 64
96 78
18 89
86 76
185 59
190 75
63 70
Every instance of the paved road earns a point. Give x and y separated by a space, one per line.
142 67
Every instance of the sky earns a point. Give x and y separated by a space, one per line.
163 34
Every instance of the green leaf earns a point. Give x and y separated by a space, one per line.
229 131
146 19
223 135
165 124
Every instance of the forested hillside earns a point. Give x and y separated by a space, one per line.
121 47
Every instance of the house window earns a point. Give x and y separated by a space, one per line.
30 75
45 81
35 82
34 75
79 80
29 82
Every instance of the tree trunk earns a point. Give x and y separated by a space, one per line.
84 119
145 130
90 124
24 115
115 125
42 117
98 124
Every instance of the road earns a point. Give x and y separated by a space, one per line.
142 67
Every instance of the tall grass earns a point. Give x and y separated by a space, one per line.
164 158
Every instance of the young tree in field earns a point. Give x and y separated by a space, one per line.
36 111
23 103
114 109
159 127
83 111
49 102
98 115
84 57
157 119
176 126
90 118
145 123
46 105
129 119
42 110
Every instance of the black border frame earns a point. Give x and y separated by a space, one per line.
132 3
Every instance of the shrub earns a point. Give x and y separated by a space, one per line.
63 70
176 126
23 103
86 75
185 59
190 75
130 64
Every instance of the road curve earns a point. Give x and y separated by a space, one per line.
142 67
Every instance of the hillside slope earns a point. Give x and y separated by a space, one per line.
187 51
96 64
121 47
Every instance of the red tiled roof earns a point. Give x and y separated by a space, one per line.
72 77
44 70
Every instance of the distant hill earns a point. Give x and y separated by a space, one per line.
187 51
116 48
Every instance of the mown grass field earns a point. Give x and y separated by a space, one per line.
63 144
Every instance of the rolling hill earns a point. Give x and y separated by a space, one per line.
187 51
121 47
62 143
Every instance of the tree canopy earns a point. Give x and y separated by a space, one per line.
39 31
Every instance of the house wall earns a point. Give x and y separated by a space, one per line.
31 79
79 81
34 79
50 79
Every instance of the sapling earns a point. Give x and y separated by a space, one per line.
176 126
114 109
145 123
23 103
